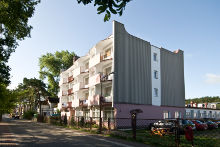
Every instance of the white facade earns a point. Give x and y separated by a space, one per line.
80 85
198 113
155 75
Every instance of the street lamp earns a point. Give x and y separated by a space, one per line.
103 78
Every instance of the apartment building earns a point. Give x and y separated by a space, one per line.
140 76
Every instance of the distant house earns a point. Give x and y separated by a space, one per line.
49 106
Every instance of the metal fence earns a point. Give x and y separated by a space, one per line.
156 132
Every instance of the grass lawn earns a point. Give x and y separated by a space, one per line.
208 138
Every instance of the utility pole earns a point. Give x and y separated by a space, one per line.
100 107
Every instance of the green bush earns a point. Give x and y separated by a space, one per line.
28 114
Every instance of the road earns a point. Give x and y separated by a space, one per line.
28 133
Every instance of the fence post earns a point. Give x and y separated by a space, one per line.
78 121
109 124
90 123
133 124
177 132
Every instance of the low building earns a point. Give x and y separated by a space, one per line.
202 110
201 113
49 106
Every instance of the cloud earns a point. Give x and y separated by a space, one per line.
212 78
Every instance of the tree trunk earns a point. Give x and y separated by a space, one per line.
0 117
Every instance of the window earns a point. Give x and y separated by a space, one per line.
87 65
155 92
86 95
155 74
108 70
86 80
108 91
177 114
166 114
108 52
155 57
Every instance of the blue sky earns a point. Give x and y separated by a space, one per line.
193 26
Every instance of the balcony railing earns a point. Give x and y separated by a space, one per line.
98 58
107 99
69 104
64 93
70 79
94 80
80 70
63 81
70 91
79 86
93 100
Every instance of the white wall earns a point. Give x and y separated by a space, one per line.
156 83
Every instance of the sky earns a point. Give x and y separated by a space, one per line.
192 26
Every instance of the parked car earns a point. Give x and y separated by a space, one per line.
199 125
218 123
170 124
211 125
186 123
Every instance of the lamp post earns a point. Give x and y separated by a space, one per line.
103 78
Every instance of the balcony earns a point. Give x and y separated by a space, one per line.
80 70
94 80
83 103
70 79
79 86
64 93
63 81
69 104
70 91
99 58
107 99
93 100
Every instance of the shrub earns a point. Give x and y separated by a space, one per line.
28 114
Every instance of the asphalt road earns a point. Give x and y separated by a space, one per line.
28 133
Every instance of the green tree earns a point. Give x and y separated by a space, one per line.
14 16
206 99
39 89
107 6
51 65
8 100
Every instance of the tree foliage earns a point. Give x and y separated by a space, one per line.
207 99
14 16
8 100
51 65
108 6
29 93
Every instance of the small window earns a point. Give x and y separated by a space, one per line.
86 80
108 91
108 70
156 74
155 92
155 57
166 114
